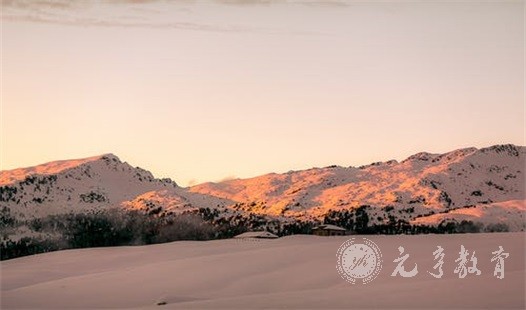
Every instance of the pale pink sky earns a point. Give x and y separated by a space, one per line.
203 90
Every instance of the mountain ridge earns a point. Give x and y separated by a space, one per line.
378 176
425 183
72 163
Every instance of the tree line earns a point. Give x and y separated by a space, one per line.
116 227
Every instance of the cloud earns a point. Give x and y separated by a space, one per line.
88 21
39 4
85 13
134 1
227 178
192 182
325 3
157 14
248 2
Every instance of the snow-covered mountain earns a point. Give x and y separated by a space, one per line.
421 185
484 185
92 183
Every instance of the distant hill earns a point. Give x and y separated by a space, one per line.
92 183
485 180
485 185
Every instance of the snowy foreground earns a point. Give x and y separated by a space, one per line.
290 272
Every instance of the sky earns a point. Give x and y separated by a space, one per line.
210 90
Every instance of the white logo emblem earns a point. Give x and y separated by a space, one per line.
359 260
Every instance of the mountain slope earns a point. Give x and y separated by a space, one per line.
12 176
95 182
511 213
421 189
426 182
